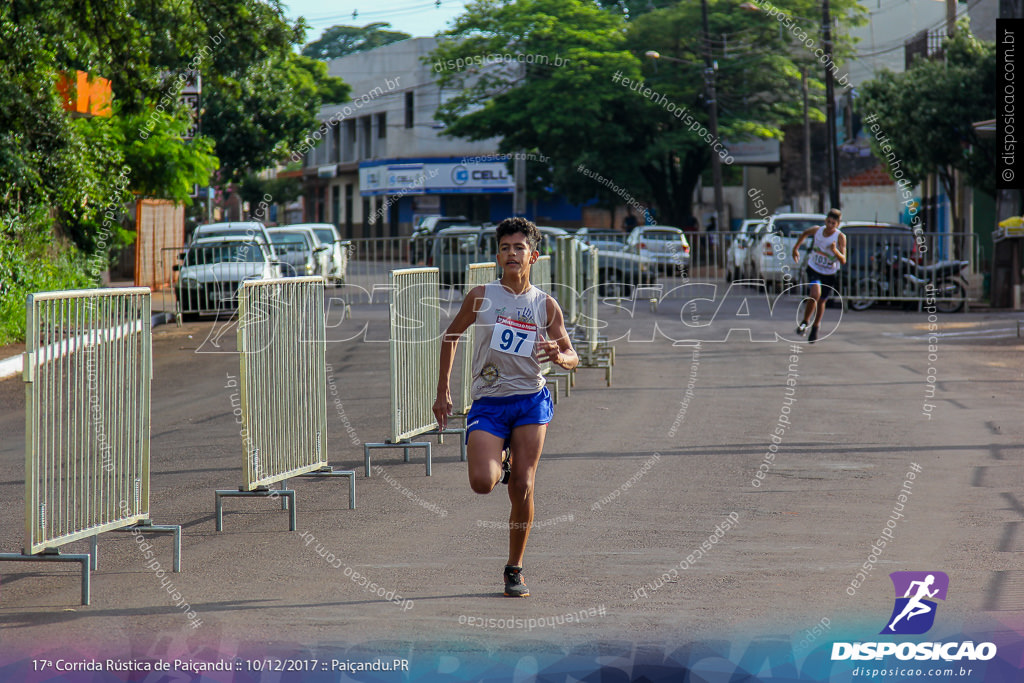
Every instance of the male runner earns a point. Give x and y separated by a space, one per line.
518 328
828 253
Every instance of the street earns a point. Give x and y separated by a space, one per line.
635 482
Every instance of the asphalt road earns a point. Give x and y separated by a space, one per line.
633 480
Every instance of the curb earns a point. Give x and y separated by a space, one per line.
9 367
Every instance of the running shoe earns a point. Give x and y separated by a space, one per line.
813 335
506 465
801 328
515 586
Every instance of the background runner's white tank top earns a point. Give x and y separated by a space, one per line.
822 258
506 331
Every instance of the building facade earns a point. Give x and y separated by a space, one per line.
379 163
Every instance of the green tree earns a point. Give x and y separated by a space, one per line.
258 115
640 125
61 177
927 114
338 41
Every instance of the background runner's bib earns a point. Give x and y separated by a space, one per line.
507 328
822 259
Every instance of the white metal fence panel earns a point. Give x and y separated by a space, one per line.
476 274
415 342
88 367
282 347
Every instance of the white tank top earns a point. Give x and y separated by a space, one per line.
822 259
507 327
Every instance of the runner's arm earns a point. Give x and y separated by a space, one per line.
839 248
462 321
800 240
558 349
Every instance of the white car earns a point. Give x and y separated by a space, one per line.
661 244
739 245
301 251
770 256
252 229
214 268
338 254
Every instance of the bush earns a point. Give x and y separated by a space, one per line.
30 261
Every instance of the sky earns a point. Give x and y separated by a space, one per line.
418 17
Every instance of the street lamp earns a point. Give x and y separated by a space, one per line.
712 102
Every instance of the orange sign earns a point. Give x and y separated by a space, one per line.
84 94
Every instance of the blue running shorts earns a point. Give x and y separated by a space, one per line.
499 415
828 283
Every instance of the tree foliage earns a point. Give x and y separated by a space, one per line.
640 125
340 40
61 177
927 114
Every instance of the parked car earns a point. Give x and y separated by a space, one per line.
770 255
455 248
739 245
300 251
606 236
421 244
252 229
662 244
214 268
337 257
620 271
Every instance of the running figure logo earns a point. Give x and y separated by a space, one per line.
914 613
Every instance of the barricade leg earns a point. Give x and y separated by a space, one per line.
453 430
146 526
568 381
405 445
258 493
53 555
331 472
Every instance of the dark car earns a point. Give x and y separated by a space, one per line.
421 244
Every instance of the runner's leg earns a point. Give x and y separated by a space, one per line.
527 444
483 451
812 302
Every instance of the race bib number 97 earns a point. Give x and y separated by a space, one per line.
514 337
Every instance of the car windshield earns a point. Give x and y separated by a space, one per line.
326 235
224 252
289 241
793 227
225 232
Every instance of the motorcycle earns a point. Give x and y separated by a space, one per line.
893 276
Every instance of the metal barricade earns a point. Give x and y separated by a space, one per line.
565 283
590 302
594 353
415 344
898 267
369 263
476 274
540 274
282 387
87 370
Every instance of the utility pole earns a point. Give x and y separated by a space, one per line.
712 102
830 109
